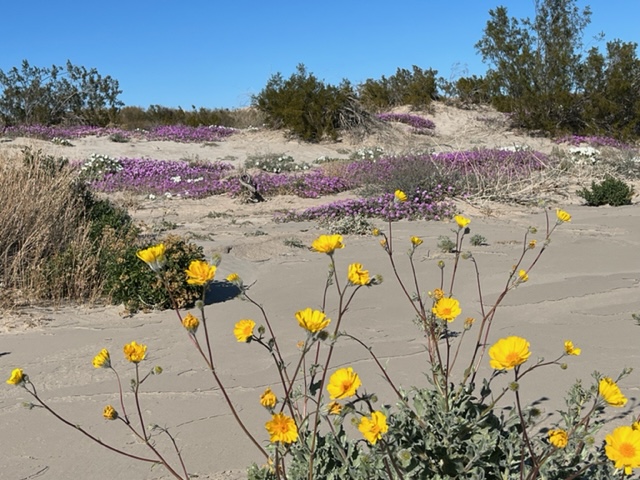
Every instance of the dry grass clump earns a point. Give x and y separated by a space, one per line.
46 249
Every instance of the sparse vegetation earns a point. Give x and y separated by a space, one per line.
611 191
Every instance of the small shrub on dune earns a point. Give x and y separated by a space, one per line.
611 191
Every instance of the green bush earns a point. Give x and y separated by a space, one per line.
610 191
309 108
416 87
131 282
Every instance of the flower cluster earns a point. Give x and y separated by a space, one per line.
597 141
419 124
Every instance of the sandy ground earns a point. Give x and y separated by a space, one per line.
584 288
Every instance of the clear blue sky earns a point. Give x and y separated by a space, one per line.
215 54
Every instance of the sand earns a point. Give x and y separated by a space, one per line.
584 288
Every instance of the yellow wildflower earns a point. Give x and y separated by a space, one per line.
416 241
468 322
532 244
154 257
327 244
563 216
243 330
558 438
17 377
334 408
190 323
312 320
135 353
373 428
622 447
462 221
268 399
357 275
523 276
102 359
200 272
509 352
438 293
233 277
343 383
570 349
447 309
610 392
282 429
375 232
109 413
399 196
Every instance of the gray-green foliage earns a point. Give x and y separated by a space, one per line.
611 191
47 96
275 163
349 225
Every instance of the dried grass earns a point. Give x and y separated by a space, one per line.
45 249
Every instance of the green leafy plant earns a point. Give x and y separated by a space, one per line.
309 108
611 191
348 225
446 245
477 240
131 283
274 163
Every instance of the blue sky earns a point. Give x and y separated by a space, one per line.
217 54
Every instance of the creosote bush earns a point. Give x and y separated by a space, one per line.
450 427
611 191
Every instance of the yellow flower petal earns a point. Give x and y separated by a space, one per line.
558 438
243 330
154 257
282 429
134 352
622 447
563 216
400 196
200 272
327 244
462 221
312 320
17 377
610 392
190 323
109 413
373 427
508 353
102 359
343 383
447 309
357 275
268 399
570 349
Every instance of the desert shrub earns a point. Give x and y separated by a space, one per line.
130 282
98 166
477 240
51 229
611 191
309 108
347 225
446 245
139 118
415 87
48 96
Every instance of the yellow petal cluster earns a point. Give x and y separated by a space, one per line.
357 274
134 352
610 392
243 330
282 429
17 377
570 349
268 399
109 413
233 277
334 408
312 320
399 196
327 244
462 221
154 257
508 353
102 359
416 241
190 323
558 438
343 383
563 216
447 309
200 272
622 447
373 427
523 276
